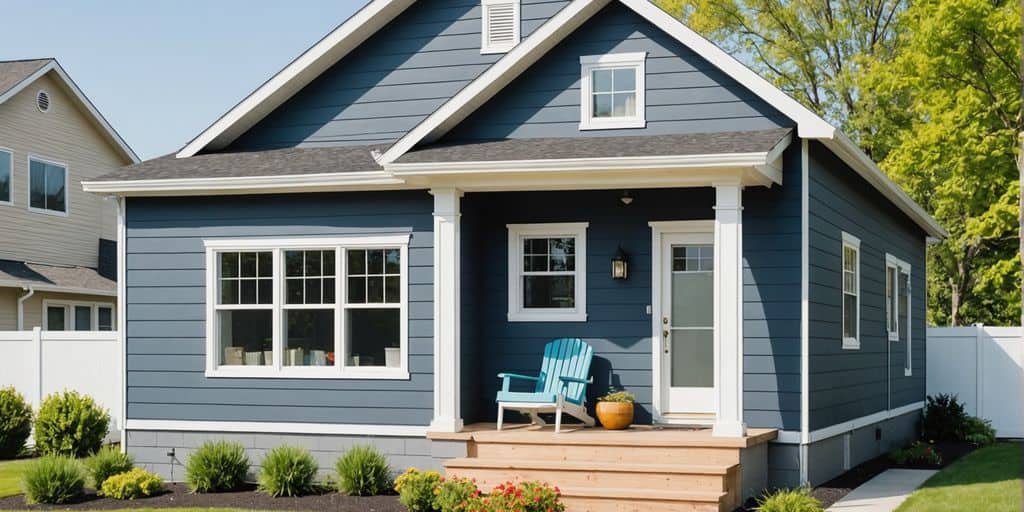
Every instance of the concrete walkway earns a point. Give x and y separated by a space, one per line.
884 492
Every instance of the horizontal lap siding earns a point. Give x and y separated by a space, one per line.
393 80
847 384
684 92
166 342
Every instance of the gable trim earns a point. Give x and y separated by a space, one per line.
296 75
76 93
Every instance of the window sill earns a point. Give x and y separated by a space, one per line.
613 125
44 211
495 50
546 317
851 344
894 337
309 373
908 373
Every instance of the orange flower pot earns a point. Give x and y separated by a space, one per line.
615 415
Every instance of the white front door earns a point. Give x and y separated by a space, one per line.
687 324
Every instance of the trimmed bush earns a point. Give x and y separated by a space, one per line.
944 419
107 462
53 480
216 466
979 431
288 471
70 424
416 489
363 471
133 484
789 500
15 422
455 494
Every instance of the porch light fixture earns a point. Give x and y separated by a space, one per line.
626 198
620 264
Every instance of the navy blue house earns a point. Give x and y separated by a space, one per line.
438 188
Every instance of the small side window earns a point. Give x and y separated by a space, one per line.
851 291
6 164
612 91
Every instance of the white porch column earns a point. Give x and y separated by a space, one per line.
729 310
447 371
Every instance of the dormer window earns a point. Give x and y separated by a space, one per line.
500 20
612 91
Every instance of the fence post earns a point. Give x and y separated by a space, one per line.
979 368
37 347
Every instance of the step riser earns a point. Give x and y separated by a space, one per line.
599 453
590 479
579 504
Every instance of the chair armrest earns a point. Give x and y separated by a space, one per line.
507 377
577 380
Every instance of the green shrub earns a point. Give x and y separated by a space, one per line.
288 471
916 454
455 494
107 462
53 480
525 497
979 431
133 484
789 500
618 396
70 424
416 489
15 422
363 471
944 419
216 466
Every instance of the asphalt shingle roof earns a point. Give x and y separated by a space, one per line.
55 275
13 72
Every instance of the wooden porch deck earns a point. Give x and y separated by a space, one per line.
648 468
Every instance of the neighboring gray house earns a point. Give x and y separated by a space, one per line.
439 187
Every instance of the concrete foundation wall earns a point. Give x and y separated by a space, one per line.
150 449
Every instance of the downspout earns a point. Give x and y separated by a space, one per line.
30 291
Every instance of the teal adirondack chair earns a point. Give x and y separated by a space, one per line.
560 386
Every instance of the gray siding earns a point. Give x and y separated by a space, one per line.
685 93
166 311
847 384
392 81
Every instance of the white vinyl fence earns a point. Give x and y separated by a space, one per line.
984 367
39 362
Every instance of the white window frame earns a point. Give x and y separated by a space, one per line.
69 314
591 63
852 242
892 262
485 27
10 167
28 188
516 234
277 246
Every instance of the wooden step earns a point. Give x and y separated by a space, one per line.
605 453
589 474
640 500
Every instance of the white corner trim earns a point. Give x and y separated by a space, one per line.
296 75
122 323
805 299
590 63
516 311
278 428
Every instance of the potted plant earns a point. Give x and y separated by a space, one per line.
615 410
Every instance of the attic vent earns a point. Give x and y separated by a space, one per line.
500 25
43 101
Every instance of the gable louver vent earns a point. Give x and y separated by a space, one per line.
500 25
43 101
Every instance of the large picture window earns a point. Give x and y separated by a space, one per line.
47 186
321 308
547 272
851 291
897 305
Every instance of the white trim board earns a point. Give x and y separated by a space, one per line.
794 436
279 428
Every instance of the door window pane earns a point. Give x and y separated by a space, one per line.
373 337
246 337
309 338
55 318
47 186
83 318
693 357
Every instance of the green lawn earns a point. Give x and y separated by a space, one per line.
10 476
988 480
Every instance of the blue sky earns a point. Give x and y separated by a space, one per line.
163 70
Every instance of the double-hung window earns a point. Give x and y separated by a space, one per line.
6 176
897 305
612 91
851 291
320 308
547 272
47 186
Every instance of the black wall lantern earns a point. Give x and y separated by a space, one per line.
620 264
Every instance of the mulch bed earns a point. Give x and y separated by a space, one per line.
833 490
178 495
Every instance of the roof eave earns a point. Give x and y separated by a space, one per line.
246 184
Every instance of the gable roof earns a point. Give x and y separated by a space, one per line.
16 75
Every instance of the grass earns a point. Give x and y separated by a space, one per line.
10 476
988 479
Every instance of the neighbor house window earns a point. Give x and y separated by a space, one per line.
851 291
47 186
6 166
897 305
77 316
500 25
308 307
547 272
612 91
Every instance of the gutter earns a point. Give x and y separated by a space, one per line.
21 305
